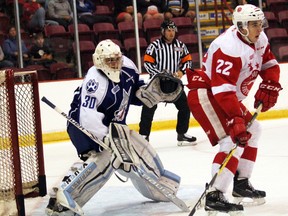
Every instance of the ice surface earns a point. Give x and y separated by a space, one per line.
192 163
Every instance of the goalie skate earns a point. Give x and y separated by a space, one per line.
245 194
55 209
185 139
216 202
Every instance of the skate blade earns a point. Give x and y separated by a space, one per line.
231 213
247 202
185 143
50 212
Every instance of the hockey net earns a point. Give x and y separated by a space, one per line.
21 149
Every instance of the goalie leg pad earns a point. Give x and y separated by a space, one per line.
84 180
169 183
153 171
119 135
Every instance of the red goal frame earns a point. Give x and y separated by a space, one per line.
21 140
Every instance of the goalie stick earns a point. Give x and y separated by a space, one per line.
223 165
170 196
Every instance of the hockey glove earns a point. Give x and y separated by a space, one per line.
163 87
267 94
238 132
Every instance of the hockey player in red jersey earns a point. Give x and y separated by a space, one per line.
231 65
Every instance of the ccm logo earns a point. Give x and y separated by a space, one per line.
270 87
197 78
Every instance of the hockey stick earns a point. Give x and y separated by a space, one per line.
121 154
224 163
170 196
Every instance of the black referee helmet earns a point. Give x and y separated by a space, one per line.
168 24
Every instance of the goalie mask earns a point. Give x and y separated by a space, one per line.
108 58
245 13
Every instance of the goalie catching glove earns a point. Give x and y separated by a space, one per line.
163 87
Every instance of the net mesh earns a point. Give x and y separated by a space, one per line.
27 138
25 110
6 154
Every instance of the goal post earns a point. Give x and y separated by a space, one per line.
22 172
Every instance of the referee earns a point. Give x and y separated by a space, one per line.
168 53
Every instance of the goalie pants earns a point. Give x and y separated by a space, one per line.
81 141
183 116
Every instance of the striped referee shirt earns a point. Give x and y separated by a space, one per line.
161 56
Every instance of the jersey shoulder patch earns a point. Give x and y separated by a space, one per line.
91 86
93 80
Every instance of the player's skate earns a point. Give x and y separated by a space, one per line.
185 139
55 209
245 194
216 202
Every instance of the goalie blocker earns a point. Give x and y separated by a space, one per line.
163 87
85 179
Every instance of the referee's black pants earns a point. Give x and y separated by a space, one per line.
183 116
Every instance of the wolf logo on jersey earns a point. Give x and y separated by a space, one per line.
92 86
